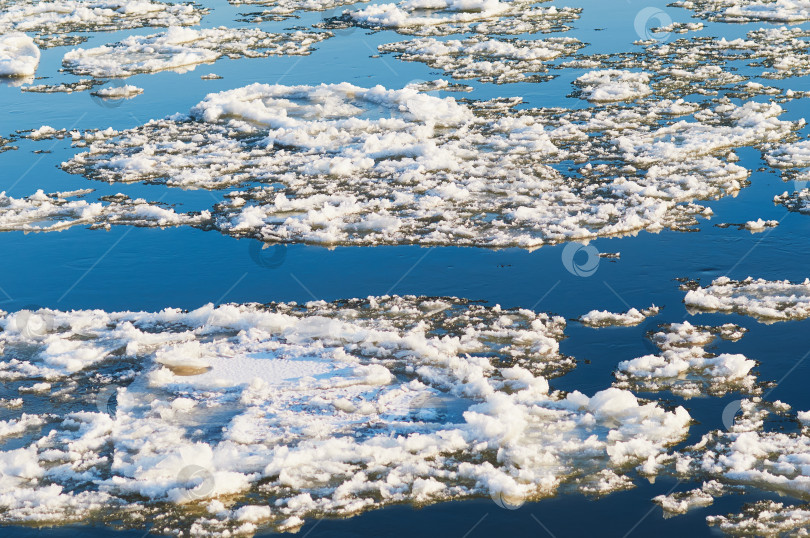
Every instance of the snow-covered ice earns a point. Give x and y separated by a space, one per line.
766 300
614 85
603 318
375 166
484 58
684 367
182 49
19 55
791 11
43 212
52 20
445 17
270 415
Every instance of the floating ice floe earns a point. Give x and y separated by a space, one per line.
765 518
793 160
126 91
767 301
183 49
245 416
340 164
685 368
760 225
798 201
277 10
51 20
614 85
749 10
445 17
485 58
42 212
746 455
683 501
19 55
603 318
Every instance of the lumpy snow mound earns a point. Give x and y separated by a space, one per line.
444 17
52 19
685 368
603 318
19 55
241 416
340 164
614 85
182 49
766 300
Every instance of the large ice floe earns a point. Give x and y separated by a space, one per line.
276 10
340 164
184 48
685 368
749 10
746 453
226 419
43 212
487 59
52 20
445 17
766 300
19 55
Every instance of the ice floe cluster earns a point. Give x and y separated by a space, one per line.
791 11
685 368
182 49
334 164
747 454
486 59
766 300
765 518
225 419
52 20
